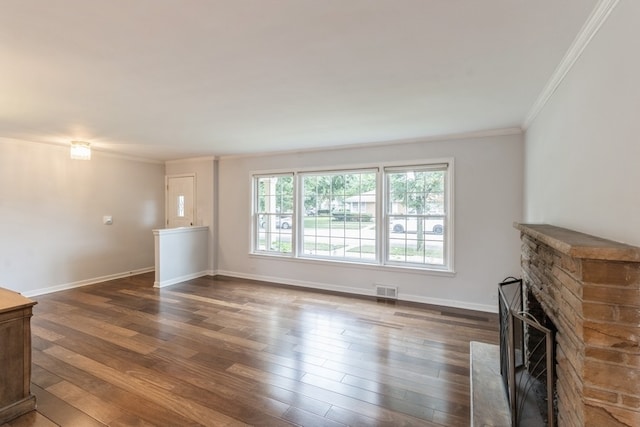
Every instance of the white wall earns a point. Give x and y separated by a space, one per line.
205 170
51 209
181 254
488 199
583 150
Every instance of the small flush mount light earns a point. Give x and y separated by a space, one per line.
80 150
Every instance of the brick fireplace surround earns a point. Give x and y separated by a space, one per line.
590 288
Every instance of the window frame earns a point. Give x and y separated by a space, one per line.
383 232
256 214
444 165
300 176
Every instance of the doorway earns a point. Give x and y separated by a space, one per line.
180 197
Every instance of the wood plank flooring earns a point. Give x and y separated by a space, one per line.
220 351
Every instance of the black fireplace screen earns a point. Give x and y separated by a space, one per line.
527 359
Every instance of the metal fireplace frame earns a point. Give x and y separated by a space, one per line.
514 322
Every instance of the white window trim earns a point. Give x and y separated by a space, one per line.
300 236
382 237
255 229
448 237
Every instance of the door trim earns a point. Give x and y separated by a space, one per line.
166 196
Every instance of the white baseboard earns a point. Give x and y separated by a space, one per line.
301 283
269 279
86 282
180 279
359 291
450 303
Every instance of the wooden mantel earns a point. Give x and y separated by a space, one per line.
15 355
580 245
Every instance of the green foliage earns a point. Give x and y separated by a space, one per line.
275 194
324 247
314 222
322 191
341 215
366 217
420 192
284 247
411 252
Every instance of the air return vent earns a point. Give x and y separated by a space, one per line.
386 292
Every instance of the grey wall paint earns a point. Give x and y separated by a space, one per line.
51 209
488 199
582 151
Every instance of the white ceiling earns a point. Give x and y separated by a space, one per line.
167 79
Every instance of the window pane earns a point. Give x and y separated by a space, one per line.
417 216
275 194
335 216
339 215
273 214
180 206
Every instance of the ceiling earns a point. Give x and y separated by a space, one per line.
163 79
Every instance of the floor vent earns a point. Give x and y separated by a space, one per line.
386 292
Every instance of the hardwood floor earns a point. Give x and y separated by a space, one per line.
220 351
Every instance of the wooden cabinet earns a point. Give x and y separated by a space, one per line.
15 355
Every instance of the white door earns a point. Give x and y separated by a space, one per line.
180 197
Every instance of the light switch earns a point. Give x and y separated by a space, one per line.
107 220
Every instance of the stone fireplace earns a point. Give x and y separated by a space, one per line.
590 288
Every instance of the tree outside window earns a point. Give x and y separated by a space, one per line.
339 221
274 213
417 215
333 215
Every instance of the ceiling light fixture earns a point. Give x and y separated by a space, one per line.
80 150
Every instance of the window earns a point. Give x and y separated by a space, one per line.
180 208
416 210
391 215
273 214
339 217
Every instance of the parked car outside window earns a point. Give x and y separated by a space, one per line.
410 225
283 222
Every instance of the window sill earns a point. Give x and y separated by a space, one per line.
372 266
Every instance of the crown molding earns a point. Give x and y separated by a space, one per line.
192 159
121 156
99 151
434 138
597 18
